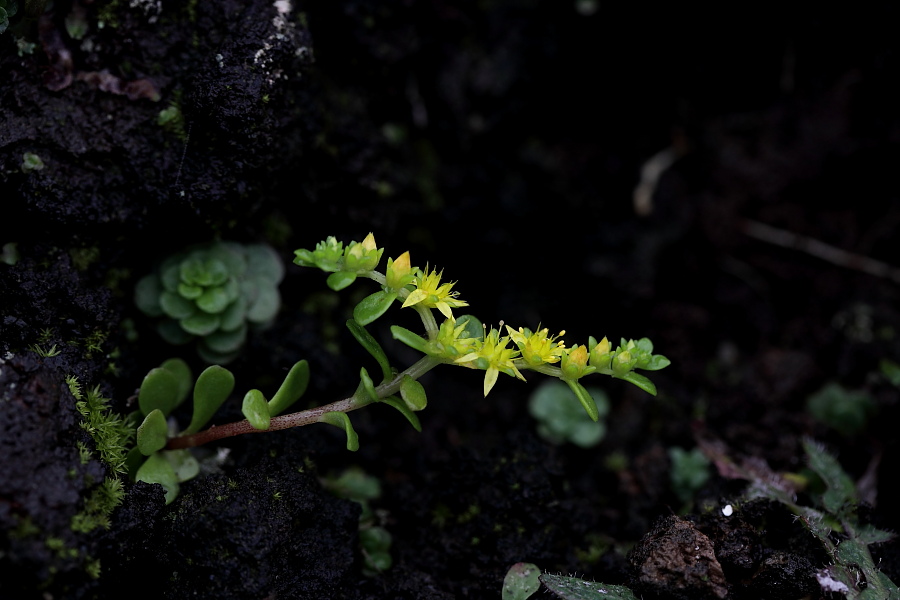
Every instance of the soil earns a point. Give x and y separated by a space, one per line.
502 142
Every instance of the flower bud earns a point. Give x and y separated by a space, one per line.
601 355
623 363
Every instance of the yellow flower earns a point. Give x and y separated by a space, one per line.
493 356
452 341
399 273
574 363
362 256
430 292
539 347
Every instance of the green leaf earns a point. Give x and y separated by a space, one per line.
640 381
339 419
409 338
292 388
264 263
413 393
173 333
191 292
590 407
201 323
372 346
264 308
146 295
340 280
226 341
213 300
133 461
175 306
153 433
256 410
572 588
213 387
521 582
157 469
841 492
366 383
657 362
404 410
159 390
233 316
474 328
183 464
183 376
373 306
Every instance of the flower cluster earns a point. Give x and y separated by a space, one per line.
464 341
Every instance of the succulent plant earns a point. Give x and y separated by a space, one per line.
213 293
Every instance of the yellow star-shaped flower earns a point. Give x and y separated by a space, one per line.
430 292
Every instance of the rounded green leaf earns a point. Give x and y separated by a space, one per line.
173 333
264 308
339 280
183 376
231 254
263 262
213 387
170 273
191 292
226 341
157 469
159 391
213 300
233 316
146 295
373 306
175 306
192 272
215 358
256 409
183 464
153 433
292 388
521 582
413 393
201 323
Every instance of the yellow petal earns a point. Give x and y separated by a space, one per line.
415 297
490 378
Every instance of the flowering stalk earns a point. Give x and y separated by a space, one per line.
455 340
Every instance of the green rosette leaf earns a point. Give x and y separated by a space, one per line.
159 391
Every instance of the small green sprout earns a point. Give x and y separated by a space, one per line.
845 411
689 472
561 417
31 162
213 293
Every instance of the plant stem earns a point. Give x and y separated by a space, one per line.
303 417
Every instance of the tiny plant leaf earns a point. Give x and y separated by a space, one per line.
256 409
413 393
339 280
373 306
366 383
372 346
157 469
572 588
339 419
183 377
153 433
213 387
641 381
409 338
590 407
159 391
404 410
291 390
183 464
521 582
